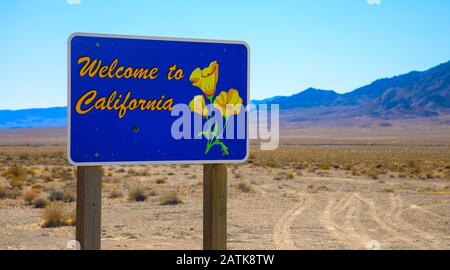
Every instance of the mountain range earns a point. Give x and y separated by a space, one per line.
424 94
415 94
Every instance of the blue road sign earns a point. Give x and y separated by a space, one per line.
156 100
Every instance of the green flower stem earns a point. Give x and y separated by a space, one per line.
223 129
217 140
208 145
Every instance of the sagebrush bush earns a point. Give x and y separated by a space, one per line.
137 193
170 198
40 202
55 215
55 194
30 194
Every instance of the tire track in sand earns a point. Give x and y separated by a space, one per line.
389 221
282 236
350 233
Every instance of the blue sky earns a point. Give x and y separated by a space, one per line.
338 45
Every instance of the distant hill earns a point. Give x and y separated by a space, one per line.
30 118
415 94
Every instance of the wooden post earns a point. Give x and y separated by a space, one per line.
214 207
89 204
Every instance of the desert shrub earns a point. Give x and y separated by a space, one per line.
40 202
132 172
47 177
115 193
55 215
299 166
30 194
289 175
55 194
244 187
161 181
15 171
170 198
3 192
137 193
71 218
272 163
13 193
16 182
414 166
324 165
348 167
277 177
373 175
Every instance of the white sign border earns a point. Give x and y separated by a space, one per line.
84 34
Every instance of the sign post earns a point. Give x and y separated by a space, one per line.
89 203
149 100
214 207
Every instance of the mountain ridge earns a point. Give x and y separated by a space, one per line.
414 94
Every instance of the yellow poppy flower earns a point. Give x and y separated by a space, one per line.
228 103
198 105
206 79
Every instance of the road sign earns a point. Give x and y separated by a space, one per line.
156 100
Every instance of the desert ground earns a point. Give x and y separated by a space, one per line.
316 191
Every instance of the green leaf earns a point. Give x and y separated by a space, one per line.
224 147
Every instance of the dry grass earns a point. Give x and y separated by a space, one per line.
40 202
169 198
55 215
137 192
30 194
424 162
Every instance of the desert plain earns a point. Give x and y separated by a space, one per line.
323 188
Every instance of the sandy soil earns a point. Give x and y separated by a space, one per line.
339 211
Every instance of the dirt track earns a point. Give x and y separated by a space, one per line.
348 219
